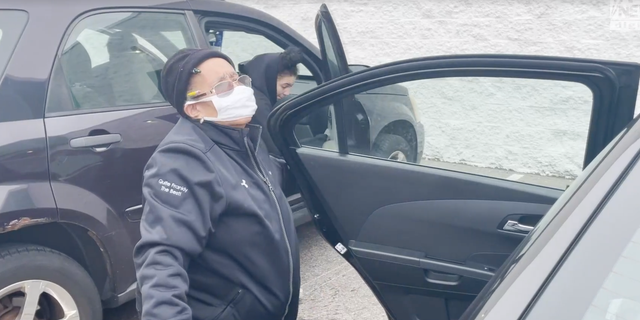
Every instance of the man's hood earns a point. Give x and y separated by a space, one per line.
263 70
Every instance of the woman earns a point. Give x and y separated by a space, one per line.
217 237
273 76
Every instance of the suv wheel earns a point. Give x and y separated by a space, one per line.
393 147
43 284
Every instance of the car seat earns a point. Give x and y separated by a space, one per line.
76 64
131 71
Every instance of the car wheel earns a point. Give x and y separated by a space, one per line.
393 147
43 284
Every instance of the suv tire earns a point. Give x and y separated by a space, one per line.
45 272
393 147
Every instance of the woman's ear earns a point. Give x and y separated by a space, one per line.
192 111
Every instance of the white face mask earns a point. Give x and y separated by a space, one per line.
237 105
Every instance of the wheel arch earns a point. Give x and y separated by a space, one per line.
72 240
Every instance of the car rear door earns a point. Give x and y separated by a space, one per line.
505 136
104 118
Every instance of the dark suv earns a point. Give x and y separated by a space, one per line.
80 114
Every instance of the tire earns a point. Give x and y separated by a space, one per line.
393 147
30 267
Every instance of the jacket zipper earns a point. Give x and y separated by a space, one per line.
256 164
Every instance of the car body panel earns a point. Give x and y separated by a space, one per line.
111 203
25 193
611 259
518 284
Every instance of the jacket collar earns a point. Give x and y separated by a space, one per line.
230 137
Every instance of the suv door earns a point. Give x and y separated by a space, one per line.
426 237
104 118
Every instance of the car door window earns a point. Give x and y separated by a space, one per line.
115 59
331 48
600 277
11 25
527 130
332 59
242 46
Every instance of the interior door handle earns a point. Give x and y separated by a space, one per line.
442 278
97 142
516 226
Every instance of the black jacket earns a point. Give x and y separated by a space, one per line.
218 239
263 70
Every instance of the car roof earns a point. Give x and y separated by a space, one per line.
75 8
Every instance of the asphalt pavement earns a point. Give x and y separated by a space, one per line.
331 289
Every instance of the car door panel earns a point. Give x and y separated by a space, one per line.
445 227
439 233
106 177
104 120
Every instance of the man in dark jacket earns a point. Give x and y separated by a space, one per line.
273 76
218 239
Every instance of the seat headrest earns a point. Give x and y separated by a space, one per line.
76 64
122 42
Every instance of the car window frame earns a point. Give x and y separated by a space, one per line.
270 32
435 74
588 125
60 91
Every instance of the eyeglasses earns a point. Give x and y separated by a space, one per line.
221 89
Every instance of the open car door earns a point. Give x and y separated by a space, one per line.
334 65
333 56
426 237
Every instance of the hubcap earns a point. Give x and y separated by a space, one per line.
398 156
24 300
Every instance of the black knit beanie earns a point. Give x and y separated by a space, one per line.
177 71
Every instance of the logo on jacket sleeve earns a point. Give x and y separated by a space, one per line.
172 188
244 184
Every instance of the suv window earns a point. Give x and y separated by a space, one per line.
115 59
11 25
242 46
